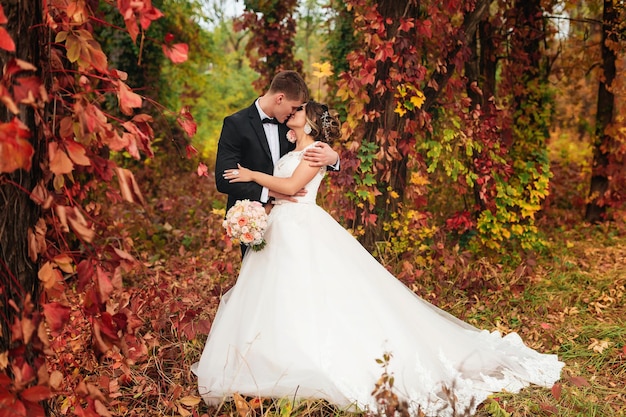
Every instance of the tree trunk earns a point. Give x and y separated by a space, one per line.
596 208
18 213
488 61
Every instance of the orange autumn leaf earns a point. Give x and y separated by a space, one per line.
129 187
60 163
49 275
16 152
77 153
127 98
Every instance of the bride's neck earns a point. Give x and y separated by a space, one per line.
303 141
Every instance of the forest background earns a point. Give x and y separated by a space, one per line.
482 164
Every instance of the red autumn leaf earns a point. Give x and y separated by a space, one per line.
101 409
105 287
116 142
36 393
29 90
6 42
134 348
185 120
79 224
127 98
15 66
108 326
141 135
60 163
556 391
425 29
177 53
579 381
148 14
34 409
91 304
56 315
406 24
203 171
100 343
191 151
9 402
5 380
15 150
85 274
16 330
143 9
549 408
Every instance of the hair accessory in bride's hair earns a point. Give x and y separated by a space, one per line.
325 122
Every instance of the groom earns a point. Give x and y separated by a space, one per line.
256 137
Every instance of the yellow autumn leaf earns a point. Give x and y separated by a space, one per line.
190 401
418 99
418 179
402 91
220 212
598 345
400 110
324 69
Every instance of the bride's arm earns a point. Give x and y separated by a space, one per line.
288 186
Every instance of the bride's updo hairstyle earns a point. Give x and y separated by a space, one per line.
325 127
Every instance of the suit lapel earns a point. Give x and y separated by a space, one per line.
257 126
285 145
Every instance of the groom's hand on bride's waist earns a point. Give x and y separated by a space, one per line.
321 155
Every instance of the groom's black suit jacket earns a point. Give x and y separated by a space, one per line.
243 141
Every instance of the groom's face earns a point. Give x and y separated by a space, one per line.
286 108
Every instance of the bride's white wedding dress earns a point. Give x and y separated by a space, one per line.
312 311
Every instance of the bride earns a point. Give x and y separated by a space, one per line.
312 312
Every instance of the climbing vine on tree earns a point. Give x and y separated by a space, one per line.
418 127
55 148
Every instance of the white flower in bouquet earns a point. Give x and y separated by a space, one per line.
246 222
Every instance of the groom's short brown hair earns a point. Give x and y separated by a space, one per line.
291 84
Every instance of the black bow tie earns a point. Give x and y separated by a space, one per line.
272 120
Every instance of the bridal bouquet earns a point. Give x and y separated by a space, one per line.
246 222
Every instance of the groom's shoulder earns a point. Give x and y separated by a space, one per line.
242 114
